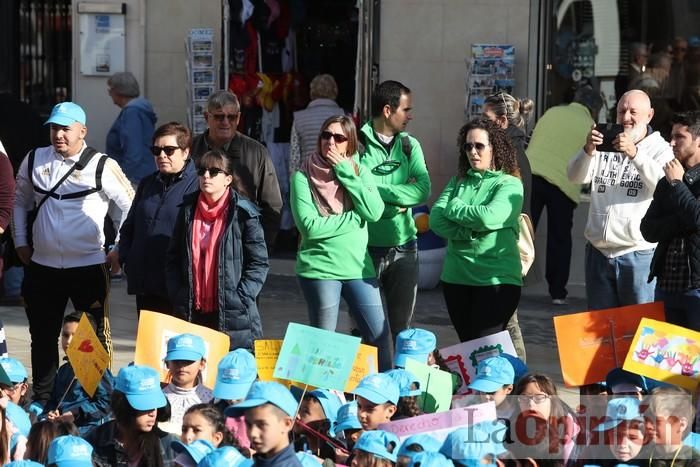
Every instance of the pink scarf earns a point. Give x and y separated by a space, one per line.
207 230
328 194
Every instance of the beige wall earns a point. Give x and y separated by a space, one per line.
155 54
424 44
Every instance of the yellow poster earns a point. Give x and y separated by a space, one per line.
665 352
267 351
152 342
87 356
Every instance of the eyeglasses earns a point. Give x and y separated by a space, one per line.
336 136
467 147
536 398
168 150
221 117
386 167
213 171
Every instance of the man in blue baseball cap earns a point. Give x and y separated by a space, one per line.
61 198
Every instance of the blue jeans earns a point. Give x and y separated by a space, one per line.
682 308
365 304
397 270
619 281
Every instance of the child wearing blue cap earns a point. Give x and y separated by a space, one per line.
415 344
269 410
133 437
75 404
205 422
376 448
17 426
190 454
318 411
185 361
414 445
494 382
17 391
70 451
475 445
377 396
408 392
40 436
225 456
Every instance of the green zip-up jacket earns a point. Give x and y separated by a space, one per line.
335 246
406 187
478 215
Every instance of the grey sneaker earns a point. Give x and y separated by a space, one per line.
559 301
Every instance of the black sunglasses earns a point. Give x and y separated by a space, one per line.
213 171
221 117
467 147
336 136
168 150
386 167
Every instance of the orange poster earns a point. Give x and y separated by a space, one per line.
592 343
152 341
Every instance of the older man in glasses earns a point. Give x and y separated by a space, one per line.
397 163
255 175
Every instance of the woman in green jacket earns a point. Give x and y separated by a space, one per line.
333 198
478 214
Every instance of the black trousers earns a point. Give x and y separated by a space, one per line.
153 303
560 220
477 311
46 292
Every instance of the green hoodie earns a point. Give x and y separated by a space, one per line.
406 187
478 215
335 246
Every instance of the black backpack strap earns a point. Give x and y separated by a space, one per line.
98 181
30 166
406 146
84 160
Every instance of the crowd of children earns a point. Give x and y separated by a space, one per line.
134 420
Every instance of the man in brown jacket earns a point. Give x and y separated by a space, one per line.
255 175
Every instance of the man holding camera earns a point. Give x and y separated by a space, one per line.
623 173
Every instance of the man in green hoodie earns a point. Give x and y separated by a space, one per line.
396 161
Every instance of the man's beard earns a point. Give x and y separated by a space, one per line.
637 132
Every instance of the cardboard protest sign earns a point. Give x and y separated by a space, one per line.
87 356
594 342
462 359
366 363
665 352
316 357
435 386
266 353
439 425
152 343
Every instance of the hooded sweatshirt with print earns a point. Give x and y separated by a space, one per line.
621 192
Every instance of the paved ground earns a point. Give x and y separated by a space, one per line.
282 302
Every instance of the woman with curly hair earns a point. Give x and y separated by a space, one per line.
478 214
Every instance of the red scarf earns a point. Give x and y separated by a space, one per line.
207 230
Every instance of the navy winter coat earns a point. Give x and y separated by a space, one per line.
145 234
243 266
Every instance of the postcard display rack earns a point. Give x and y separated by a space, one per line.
489 70
201 75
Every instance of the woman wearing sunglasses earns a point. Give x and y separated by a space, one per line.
333 199
145 233
217 260
478 214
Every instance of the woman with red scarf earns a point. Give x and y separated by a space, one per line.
217 260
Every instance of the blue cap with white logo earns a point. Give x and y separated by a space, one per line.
14 369
347 418
416 344
622 409
265 393
141 386
380 443
70 451
66 113
187 347
492 374
225 456
406 381
235 374
378 388
196 450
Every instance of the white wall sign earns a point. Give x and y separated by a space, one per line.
101 44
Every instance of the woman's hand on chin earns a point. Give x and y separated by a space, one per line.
335 157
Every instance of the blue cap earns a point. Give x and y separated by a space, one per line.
519 366
225 456
426 442
415 344
141 386
492 374
405 380
66 113
379 443
24 463
330 403
431 459
261 393
347 418
187 347
19 418
14 369
70 451
235 374
470 445
621 409
378 388
197 449
307 460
